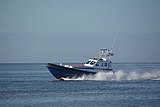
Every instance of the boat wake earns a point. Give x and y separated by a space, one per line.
120 75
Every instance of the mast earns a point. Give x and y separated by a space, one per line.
114 40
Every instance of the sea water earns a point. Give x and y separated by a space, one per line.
32 85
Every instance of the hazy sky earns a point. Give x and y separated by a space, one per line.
74 30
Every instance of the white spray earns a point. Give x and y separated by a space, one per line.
119 76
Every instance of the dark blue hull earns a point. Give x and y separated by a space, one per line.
61 72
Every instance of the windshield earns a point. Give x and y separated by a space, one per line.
88 62
92 63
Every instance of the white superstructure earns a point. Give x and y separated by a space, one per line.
104 60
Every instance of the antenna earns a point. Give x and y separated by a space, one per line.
114 40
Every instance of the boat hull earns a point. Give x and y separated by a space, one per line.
61 72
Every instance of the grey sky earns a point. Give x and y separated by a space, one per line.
74 30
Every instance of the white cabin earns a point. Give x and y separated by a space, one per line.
104 60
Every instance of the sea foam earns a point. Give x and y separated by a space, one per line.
119 76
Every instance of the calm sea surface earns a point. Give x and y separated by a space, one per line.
32 85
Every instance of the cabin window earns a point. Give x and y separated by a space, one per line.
105 64
88 62
97 64
92 63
